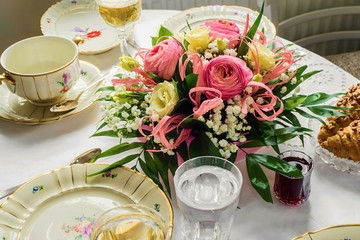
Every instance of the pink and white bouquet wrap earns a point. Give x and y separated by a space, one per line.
220 90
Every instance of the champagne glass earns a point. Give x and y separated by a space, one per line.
120 14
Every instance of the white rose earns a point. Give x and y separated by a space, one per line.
164 98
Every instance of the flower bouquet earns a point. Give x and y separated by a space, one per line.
216 91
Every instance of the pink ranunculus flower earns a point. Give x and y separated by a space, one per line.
228 74
163 58
224 29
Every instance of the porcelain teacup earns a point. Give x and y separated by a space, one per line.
41 69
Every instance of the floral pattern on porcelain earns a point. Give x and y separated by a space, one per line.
83 73
190 15
82 227
65 83
86 34
37 188
108 174
157 207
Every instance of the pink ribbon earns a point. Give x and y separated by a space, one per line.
200 108
166 125
261 109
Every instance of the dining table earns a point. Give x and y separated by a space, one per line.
28 150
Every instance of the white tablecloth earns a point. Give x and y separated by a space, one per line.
27 151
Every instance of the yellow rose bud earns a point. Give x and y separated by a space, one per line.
221 45
199 39
128 63
164 98
257 78
266 56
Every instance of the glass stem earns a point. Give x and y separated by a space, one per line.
123 44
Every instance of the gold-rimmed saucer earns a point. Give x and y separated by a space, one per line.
66 202
16 109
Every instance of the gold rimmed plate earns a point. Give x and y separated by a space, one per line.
17 109
177 24
79 18
64 203
337 232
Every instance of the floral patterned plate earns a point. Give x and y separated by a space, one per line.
17 109
177 24
73 18
338 232
64 203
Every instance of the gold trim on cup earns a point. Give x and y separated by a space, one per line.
5 77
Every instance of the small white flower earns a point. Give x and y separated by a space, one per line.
242 138
230 52
227 154
284 77
209 134
212 44
223 128
155 116
201 118
236 110
170 152
242 116
216 128
260 100
157 140
147 98
293 81
125 115
248 128
127 105
226 41
229 109
223 143
230 101
283 90
207 55
249 101
248 89
209 123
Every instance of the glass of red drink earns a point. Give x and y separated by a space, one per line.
290 190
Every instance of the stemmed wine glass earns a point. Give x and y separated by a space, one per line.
120 14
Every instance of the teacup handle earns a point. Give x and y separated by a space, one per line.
78 40
5 77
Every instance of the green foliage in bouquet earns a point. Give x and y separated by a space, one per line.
209 94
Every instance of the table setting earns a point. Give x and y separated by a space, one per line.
128 123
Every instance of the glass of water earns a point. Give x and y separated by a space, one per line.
207 192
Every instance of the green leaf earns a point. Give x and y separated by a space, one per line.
307 115
191 123
275 164
107 88
119 149
109 133
190 81
119 163
163 31
243 48
163 168
258 179
326 112
183 151
150 161
203 146
292 102
102 126
150 173
155 77
119 75
318 98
